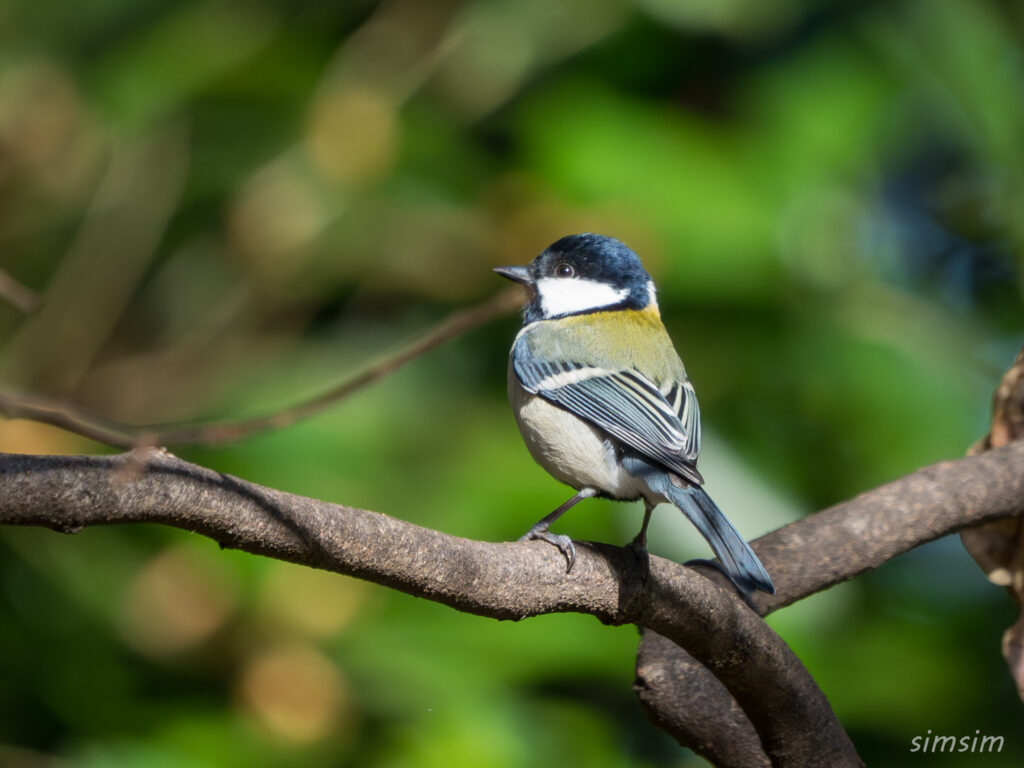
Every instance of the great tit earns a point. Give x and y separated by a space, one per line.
602 399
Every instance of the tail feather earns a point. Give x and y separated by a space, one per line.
741 565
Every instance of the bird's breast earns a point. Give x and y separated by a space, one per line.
570 449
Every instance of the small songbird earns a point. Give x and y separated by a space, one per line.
602 399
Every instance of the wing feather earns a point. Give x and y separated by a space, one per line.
624 403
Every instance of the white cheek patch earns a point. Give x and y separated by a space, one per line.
565 296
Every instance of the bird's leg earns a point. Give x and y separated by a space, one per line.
539 530
639 544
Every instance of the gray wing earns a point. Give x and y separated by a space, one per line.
625 404
683 399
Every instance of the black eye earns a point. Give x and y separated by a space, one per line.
564 270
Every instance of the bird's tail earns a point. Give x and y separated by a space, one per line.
738 560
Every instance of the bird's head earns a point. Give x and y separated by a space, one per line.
580 274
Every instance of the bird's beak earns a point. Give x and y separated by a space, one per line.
516 274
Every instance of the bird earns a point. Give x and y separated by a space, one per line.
602 399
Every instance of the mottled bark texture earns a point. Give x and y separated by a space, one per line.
738 653
836 545
998 547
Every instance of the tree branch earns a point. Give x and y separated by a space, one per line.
681 697
791 717
66 416
856 536
998 548
503 581
817 552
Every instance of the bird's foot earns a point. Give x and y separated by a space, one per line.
563 542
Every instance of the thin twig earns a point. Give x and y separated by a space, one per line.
57 413
68 417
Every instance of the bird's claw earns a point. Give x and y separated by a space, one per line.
563 542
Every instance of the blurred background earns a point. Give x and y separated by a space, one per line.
211 210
